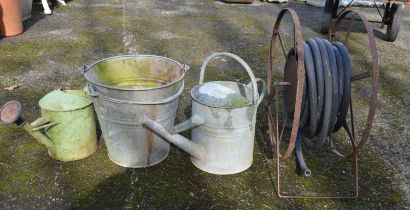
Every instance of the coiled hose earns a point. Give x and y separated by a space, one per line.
327 93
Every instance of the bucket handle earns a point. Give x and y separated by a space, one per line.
244 65
262 92
84 69
91 92
185 67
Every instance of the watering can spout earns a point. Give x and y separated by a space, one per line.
11 113
194 149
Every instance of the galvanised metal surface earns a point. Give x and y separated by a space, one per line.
140 78
126 91
223 137
227 135
69 134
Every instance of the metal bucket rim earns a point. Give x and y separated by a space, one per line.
88 67
251 103
119 101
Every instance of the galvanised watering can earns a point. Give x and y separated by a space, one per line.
222 123
67 126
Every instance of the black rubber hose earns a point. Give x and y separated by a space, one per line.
319 81
299 155
347 70
340 77
311 91
326 95
335 84
324 127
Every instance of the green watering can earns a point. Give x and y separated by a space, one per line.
67 126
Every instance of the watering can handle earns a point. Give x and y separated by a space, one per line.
34 129
262 93
42 123
242 62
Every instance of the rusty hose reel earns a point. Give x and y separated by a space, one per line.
295 100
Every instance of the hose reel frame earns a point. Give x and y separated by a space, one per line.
276 134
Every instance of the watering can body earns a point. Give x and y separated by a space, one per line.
227 135
67 128
222 137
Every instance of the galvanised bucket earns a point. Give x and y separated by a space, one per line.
126 91
223 136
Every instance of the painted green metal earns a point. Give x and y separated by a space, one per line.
67 125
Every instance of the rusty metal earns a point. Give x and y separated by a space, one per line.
373 73
290 76
276 140
298 46
275 134
150 136
10 112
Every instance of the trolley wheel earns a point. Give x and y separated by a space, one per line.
327 16
393 28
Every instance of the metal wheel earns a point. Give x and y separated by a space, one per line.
292 83
350 125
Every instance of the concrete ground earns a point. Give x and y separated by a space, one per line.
49 53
